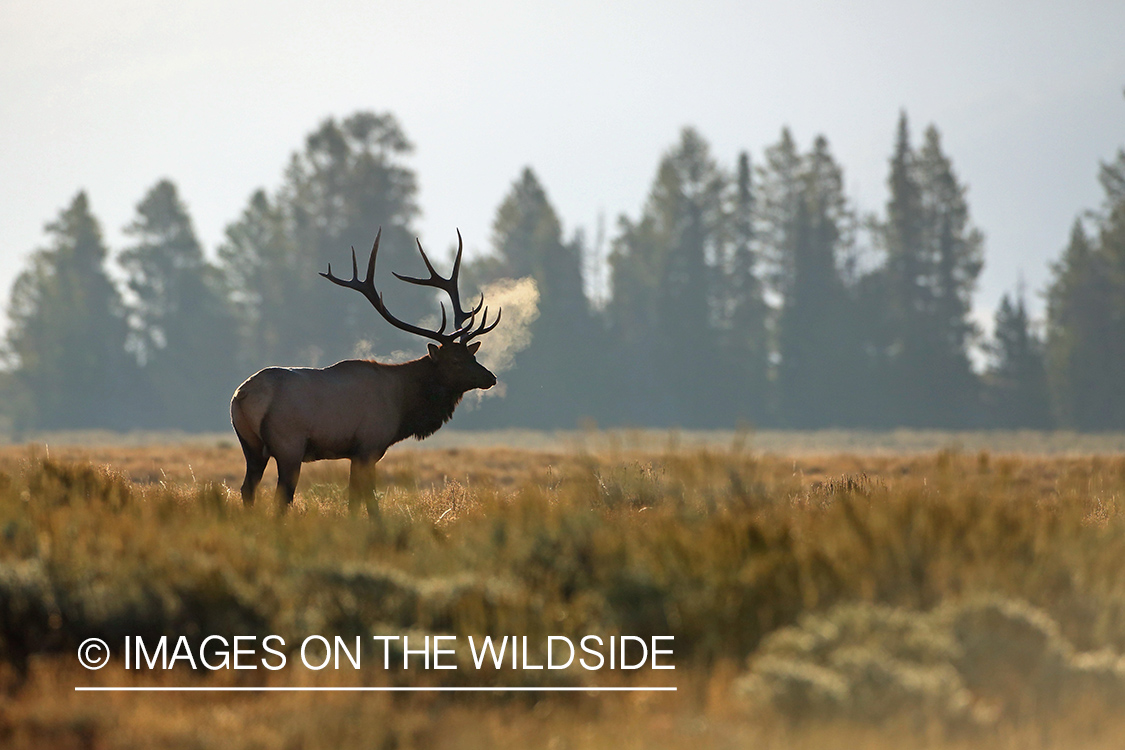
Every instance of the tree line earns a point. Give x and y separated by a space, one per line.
754 293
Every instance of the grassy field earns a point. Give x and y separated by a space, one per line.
823 590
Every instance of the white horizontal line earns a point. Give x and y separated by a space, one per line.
128 689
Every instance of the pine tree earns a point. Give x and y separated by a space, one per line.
663 311
347 184
1017 378
349 181
817 354
1086 317
527 240
744 315
780 200
954 255
1111 239
933 258
1076 305
907 295
68 331
184 325
268 277
549 386
640 391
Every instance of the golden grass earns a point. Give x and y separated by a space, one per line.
730 550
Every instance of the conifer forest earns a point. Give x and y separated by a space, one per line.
745 292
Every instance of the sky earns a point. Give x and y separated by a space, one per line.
110 97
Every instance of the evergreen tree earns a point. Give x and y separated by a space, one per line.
663 310
1017 378
778 208
953 254
347 183
743 312
907 295
817 351
1086 316
185 328
904 229
933 258
1111 238
1077 308
267 276
68 331
549 386
641 393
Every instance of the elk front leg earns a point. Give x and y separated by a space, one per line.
361 486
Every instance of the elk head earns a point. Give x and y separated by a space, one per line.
454 353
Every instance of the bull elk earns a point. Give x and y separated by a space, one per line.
358 408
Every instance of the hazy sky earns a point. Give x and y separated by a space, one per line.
111 96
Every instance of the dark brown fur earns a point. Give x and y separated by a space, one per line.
429 402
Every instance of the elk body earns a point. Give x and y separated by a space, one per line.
357 409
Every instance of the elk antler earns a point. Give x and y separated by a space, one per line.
481 329
462 320
448 285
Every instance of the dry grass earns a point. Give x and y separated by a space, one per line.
778 576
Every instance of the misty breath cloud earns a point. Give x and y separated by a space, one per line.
519 299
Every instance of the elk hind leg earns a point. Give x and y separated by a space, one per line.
256 461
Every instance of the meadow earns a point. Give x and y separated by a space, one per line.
823 590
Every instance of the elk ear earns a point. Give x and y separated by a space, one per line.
433 351
473 347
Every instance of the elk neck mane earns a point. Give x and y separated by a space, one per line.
428 403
